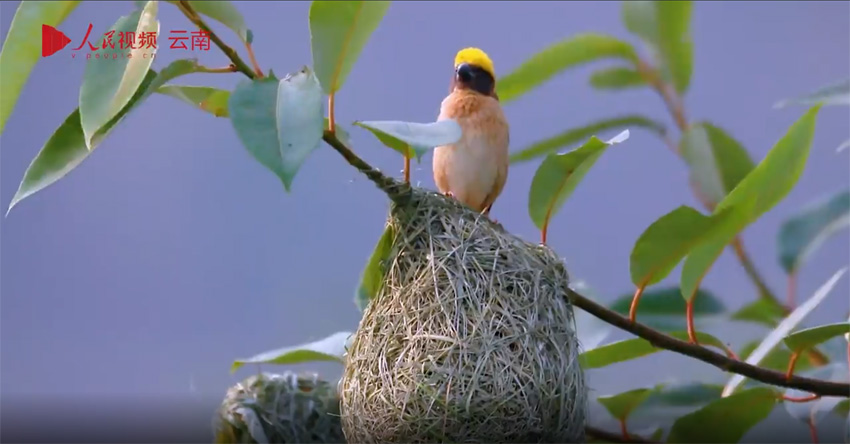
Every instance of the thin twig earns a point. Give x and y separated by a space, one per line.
661 340
226 69
750 269
193 16
677 109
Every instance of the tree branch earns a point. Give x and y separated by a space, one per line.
661 340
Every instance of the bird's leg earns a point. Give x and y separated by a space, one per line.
486 213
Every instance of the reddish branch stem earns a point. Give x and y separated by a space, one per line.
689 314
791 363
635 301
792 291
624 430
253 60
813 431
800 399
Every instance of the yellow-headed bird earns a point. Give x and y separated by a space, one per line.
473 170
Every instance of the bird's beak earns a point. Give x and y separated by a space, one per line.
464 73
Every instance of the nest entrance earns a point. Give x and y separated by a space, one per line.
471 339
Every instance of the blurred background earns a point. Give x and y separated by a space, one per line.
133 283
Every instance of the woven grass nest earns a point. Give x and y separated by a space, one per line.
471 338
280 408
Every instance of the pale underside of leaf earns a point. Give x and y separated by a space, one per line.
300 120
785 327
331 348
412 138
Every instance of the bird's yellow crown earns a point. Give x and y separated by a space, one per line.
477 57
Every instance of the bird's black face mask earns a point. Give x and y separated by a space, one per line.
475 78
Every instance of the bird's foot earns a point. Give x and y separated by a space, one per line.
448 194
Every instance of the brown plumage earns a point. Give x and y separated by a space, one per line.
473 170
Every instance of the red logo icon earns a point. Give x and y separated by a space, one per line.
52 40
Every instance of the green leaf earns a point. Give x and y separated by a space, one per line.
569 53
66 148
801 234
665 27
559 175
810 337
777 359
255 109
620 406
726 419
785 327
669 239
664 309
331 348
372 278
842 408
22 48
837 93
338 32
109 86
546 146
300 120
717 161
629 349
761 190
414 139
683 395
616 78
225 13
762 311
211 100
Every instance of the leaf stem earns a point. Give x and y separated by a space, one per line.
195 18
791 292
635 300
227 69
664 341
689 315
792 362
624 430
800 399
813 430
406 169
